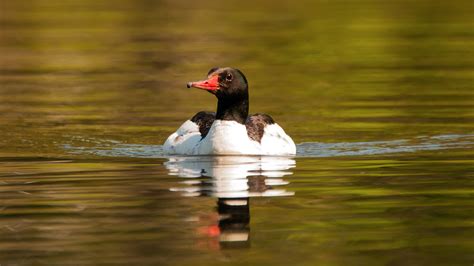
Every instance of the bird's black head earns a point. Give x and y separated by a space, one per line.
225 83
231 89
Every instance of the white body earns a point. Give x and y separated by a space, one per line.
228 138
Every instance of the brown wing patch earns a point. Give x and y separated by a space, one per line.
204 121
256 124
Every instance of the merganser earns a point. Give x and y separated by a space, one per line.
230 130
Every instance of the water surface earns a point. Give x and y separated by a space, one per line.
378 95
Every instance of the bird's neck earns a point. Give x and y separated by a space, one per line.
233 109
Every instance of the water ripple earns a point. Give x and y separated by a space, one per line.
110 148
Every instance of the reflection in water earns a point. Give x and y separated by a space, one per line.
234 219
231 176
233 180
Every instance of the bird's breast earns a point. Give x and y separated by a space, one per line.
228 137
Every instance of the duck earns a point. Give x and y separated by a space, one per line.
230 130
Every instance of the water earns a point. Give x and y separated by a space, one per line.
379 97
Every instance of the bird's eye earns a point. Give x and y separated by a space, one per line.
229 77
